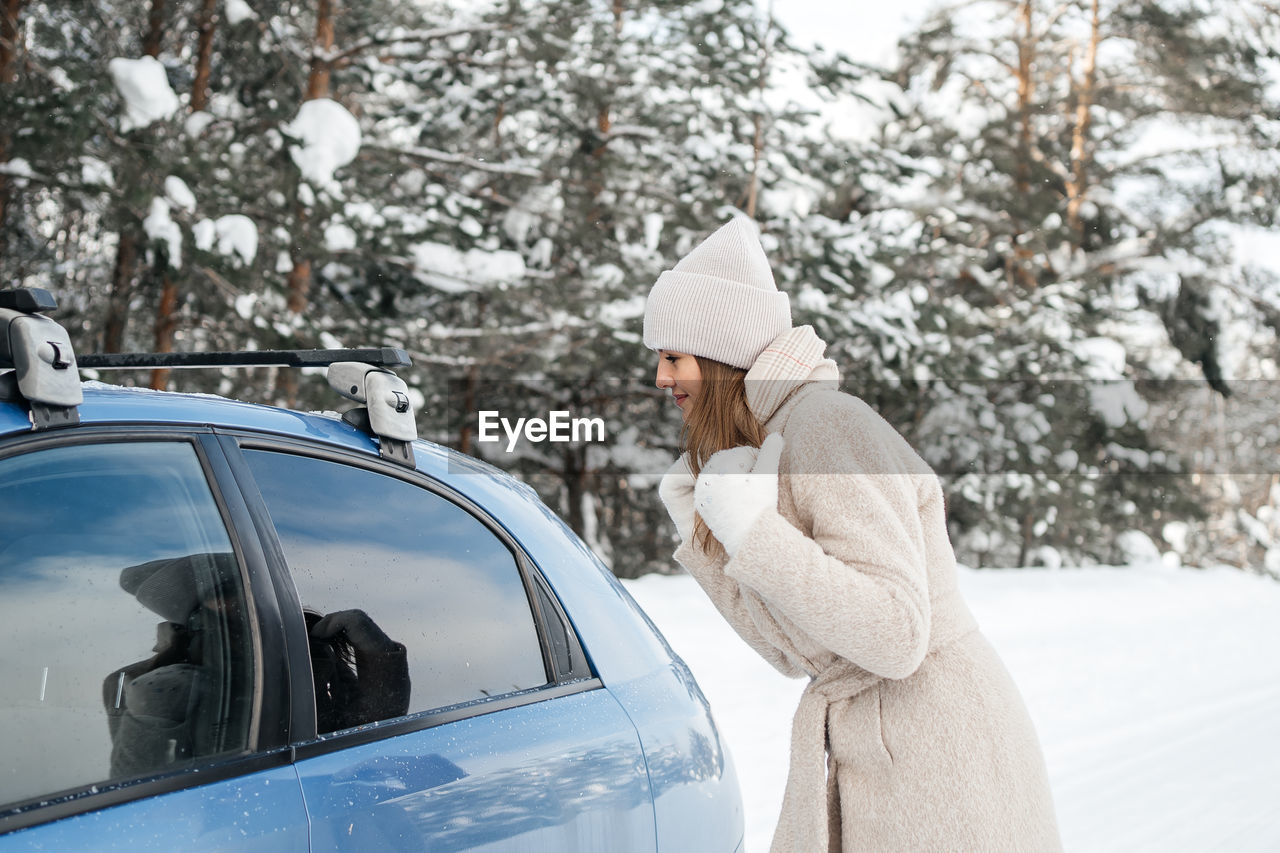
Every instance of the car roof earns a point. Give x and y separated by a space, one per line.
116 404
107 405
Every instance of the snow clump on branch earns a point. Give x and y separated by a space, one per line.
452 271
160 228
143 85
236 236
329 137
237 11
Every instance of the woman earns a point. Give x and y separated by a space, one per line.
821 537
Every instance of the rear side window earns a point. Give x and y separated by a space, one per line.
413 604
125 649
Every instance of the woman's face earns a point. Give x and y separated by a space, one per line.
680 373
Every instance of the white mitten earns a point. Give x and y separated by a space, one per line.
676 491
736 487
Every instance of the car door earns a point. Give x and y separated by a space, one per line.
451 703
136 706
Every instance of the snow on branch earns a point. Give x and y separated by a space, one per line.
1145 159
432 155
621 131
383 39
543 326
19 169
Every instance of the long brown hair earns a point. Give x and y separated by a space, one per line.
718 419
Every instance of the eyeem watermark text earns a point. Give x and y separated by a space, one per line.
558 427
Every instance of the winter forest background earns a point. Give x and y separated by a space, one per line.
1041 238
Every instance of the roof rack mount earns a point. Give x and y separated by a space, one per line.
39 366
41 356
357 374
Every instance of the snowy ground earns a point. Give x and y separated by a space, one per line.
1156 693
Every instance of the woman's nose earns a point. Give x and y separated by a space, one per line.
664 379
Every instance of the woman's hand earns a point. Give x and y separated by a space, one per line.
736 487
676 491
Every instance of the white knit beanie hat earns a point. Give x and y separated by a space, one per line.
720 301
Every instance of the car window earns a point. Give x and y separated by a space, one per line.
124 642
413 604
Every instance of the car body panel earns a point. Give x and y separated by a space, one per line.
260 811
13 420
560 776
696 800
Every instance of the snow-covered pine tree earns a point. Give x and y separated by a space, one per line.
606 101
671 116
54 182
1047 205
89 112
553 164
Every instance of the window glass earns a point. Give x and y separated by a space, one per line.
413 603
124 643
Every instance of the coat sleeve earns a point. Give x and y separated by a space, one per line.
857 583
727 596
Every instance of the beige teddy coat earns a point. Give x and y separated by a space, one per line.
852 583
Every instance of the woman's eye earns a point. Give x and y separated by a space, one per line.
671 359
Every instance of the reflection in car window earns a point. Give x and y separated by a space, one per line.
124 643
421 573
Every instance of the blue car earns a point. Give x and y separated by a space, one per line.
232 626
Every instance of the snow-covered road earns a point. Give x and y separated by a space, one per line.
1156 693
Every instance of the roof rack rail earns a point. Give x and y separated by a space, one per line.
379 356
38 366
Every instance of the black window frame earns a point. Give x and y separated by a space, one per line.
271 715
556 634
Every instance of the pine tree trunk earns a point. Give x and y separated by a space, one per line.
166 325
117 320
167 311
206 23
574 475
1020 274
604 123
468 406
1026 56
9 35
155 29
318 78
1028 537
122 277
9 38
471 384
758 148
299 285
757 144
286 386
753 187
299 281
1081 157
